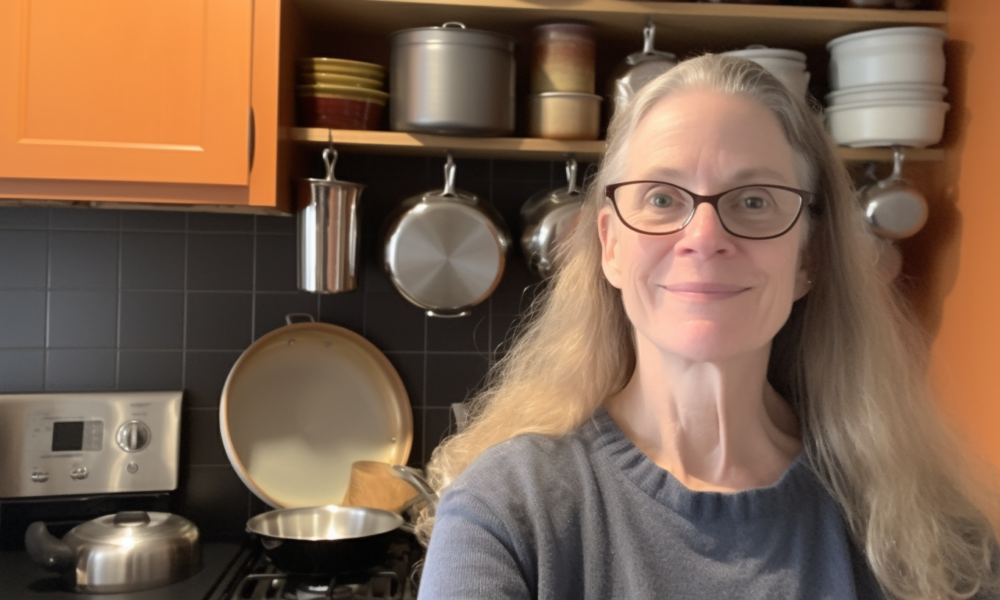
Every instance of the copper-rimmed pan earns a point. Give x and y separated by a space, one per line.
302 404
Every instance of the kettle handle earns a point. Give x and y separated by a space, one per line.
47 550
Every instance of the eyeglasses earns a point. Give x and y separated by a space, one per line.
756 212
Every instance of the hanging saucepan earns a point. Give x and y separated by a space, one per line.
327 540
548 217
445 250
896 209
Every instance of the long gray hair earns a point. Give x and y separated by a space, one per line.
850 360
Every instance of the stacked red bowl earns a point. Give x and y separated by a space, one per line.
340 94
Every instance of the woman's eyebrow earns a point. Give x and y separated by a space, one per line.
748 174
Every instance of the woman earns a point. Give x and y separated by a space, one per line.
716 397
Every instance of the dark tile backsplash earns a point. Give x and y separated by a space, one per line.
150 300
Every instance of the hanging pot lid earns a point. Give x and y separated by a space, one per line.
302 404
445 251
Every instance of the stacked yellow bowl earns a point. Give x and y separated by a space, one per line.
340 94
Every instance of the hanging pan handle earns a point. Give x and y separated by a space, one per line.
571 171
291 318
648 36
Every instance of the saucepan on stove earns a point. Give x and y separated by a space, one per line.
327 540
125 552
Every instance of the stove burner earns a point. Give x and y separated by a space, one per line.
394 580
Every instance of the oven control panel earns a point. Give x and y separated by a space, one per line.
88 443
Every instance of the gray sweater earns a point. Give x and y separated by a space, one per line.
589 516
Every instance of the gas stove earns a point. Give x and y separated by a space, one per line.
396 578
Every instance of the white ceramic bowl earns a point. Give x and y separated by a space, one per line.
903 123
789 66
892 55
887 93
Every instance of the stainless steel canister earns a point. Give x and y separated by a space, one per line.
451 80
328 232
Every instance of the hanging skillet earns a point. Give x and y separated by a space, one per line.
445 249
548 218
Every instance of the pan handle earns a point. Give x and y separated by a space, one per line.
301 317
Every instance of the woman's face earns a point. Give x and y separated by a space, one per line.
702 293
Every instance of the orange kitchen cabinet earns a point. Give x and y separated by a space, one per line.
151 101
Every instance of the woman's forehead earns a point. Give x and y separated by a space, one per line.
702 136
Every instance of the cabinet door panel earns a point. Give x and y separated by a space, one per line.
120 90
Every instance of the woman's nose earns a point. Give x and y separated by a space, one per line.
704 234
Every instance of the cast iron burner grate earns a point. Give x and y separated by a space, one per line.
395 579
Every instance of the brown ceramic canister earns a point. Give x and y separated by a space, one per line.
564 58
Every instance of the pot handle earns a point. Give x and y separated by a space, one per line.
47 550
301 317
443 314
897 164
571 168
449 177
648 36
415 479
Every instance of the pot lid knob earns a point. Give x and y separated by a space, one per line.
128 518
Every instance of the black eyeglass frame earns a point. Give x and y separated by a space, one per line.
807 199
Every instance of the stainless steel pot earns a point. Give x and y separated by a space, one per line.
125 552
328 231
638 69
445 250
548 217
451 80
896 209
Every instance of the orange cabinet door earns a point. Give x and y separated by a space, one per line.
125 90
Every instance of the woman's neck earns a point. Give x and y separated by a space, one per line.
715 426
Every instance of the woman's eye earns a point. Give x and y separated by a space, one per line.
754 202
662 201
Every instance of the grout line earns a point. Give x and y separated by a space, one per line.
184 308
253 283
48 303
118 311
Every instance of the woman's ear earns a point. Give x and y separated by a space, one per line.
608 231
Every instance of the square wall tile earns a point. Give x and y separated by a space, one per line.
83 259
205 375
200 221
153 220
454 377
23 259
392 323
79 370
346 310
152 261
22 371
219 321
416 459
201 441
276 263
215 499
23 217
266 224
85 218
153 320
410 367
220 261
150 370
460 334
22 319
437 427
83 319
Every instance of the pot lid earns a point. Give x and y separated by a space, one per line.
130 528
759 51
453 32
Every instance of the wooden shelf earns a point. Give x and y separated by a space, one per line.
685 26
393 142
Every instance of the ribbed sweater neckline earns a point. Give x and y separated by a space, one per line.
610 444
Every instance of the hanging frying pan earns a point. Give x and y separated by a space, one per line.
302 404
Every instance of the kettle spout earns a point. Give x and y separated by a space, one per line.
47 550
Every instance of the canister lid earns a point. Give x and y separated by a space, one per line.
455 33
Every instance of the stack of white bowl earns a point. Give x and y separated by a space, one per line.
789 66
887 88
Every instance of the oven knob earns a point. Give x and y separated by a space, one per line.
39 476
133 436
79 473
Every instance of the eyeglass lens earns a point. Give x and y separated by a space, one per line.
754 212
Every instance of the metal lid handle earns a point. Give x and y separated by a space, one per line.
453 24
648 36
449 177
330 159
291 318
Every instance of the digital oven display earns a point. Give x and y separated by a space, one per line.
67 436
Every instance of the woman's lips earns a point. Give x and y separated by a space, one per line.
703 290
